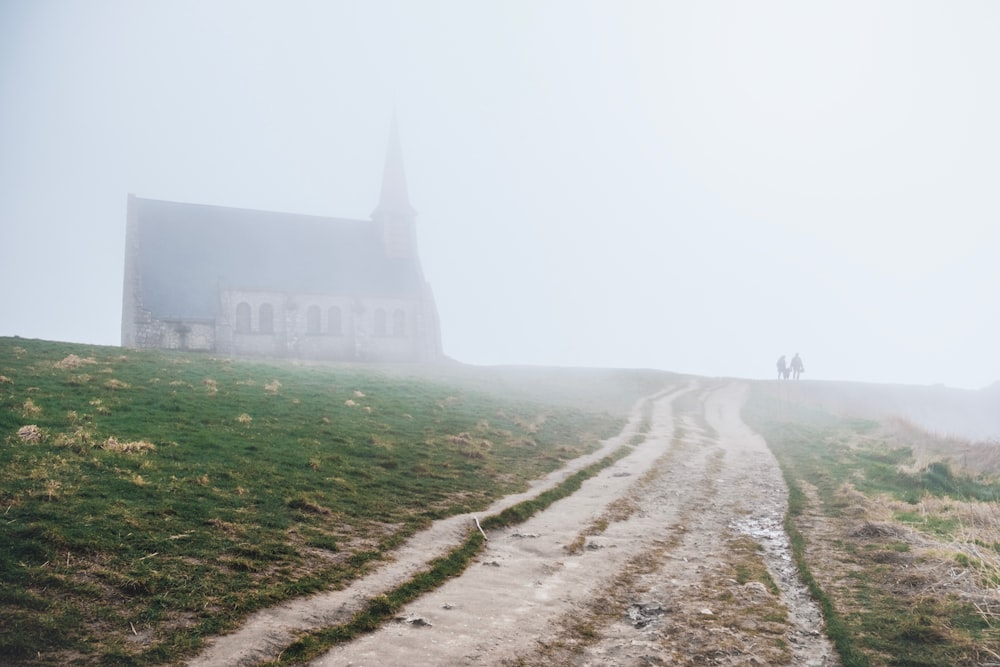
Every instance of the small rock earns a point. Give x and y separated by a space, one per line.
706 612
419 622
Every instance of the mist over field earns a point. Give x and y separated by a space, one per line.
690 186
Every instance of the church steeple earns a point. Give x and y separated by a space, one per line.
394 212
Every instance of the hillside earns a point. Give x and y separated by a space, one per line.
151 499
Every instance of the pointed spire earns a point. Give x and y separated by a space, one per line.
394 200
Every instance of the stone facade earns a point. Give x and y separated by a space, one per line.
255 283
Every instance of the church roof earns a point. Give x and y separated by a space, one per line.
187 252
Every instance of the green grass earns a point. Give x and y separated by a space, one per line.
870 616
251 483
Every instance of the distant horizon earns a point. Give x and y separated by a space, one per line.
448 359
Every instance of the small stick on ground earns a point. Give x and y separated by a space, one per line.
480 528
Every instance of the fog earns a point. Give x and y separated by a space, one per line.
691 186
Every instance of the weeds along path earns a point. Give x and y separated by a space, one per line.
673 555
266 633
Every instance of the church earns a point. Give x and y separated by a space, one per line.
258 283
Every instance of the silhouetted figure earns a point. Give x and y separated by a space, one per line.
782 368
797 367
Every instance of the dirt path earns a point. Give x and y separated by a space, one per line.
644 565
266 633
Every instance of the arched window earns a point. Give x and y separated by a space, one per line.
243 317
266 318
379 322
336 322
398 322
312 320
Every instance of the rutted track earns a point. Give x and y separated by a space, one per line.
635 568
268 632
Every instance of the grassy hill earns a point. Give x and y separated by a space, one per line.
150 494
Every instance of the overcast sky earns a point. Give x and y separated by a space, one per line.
690 186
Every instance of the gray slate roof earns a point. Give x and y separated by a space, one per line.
186 252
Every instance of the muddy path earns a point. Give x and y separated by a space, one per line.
645 565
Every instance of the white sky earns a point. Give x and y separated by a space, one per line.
693 186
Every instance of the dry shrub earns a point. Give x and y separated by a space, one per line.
462 438
211 385
135 446
73 361
77 438
272 387
52 489
5 380
358 394
350 403
115 384
29 433
29 409
244 418
870 530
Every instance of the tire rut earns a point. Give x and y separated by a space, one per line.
266 633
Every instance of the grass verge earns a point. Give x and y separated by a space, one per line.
882 541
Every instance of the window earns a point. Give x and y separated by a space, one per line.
312 320
243 317
398 322
379 322
336 326
266 318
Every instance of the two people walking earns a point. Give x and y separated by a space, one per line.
796 368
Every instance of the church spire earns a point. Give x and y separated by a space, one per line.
394 213
395 199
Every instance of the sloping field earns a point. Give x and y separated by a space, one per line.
150 500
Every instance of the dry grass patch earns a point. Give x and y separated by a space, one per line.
112 444
30 433
72 361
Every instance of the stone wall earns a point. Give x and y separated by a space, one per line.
317 326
